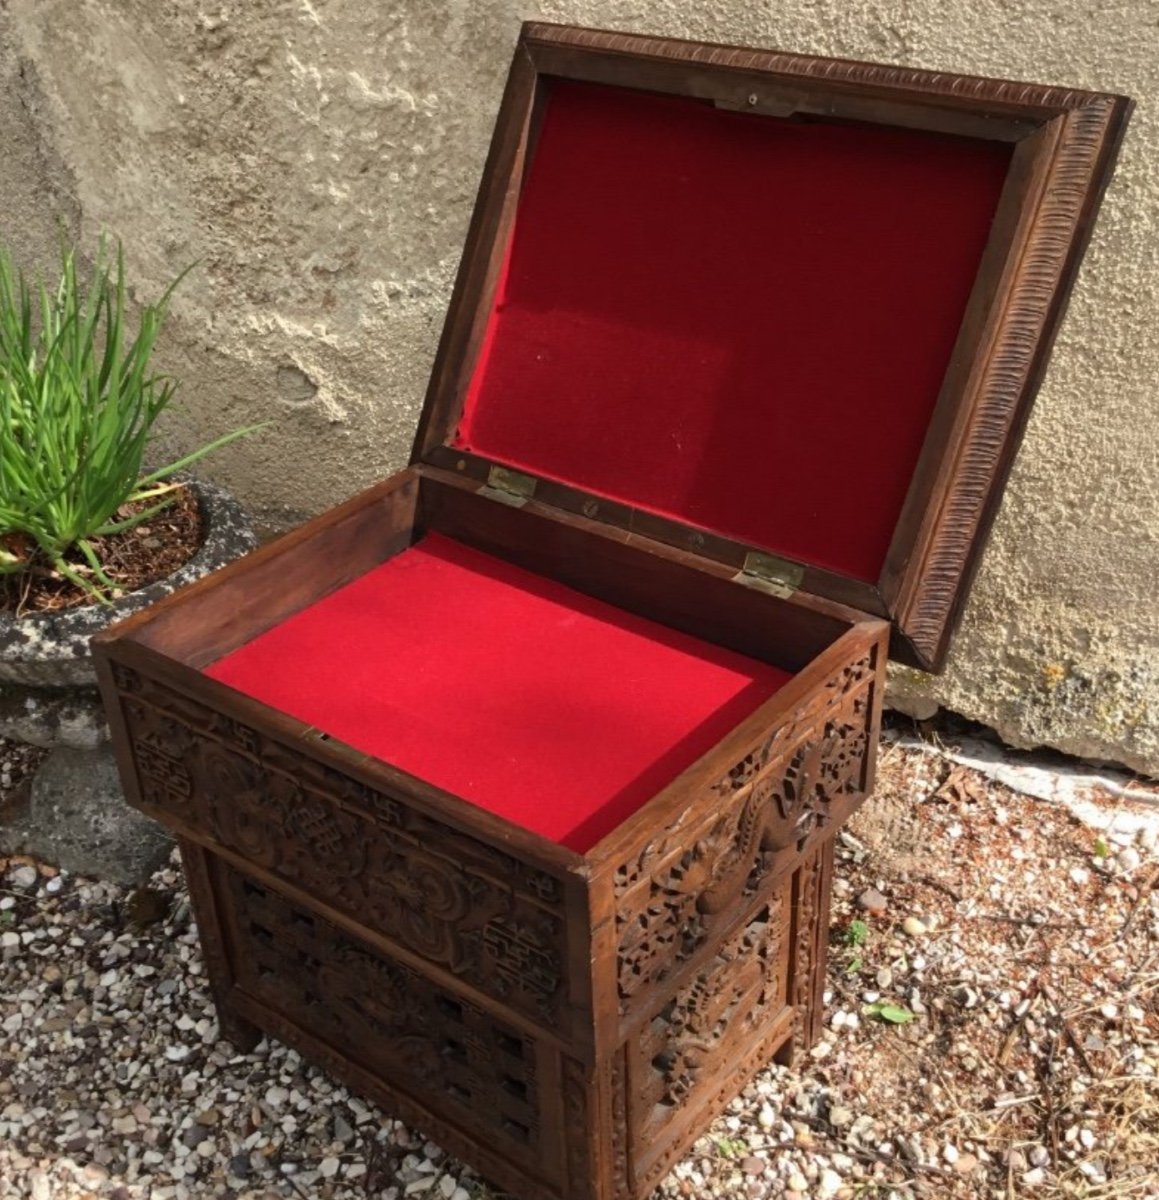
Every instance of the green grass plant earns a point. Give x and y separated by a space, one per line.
78 403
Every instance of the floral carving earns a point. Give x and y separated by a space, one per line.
621 1175
804 777
712 1019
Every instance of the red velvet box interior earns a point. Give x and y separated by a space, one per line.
735 320
556 711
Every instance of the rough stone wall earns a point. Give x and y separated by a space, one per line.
319 159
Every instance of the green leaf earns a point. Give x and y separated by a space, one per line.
895 1014
856 933
731 1147
1102 850
78 405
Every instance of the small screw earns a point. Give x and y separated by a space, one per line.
752 98
696 541
461 465
590 508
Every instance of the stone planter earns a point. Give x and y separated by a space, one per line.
74 814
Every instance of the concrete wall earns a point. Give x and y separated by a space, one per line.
319 157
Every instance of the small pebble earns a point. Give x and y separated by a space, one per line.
913 927
830 1183
23 877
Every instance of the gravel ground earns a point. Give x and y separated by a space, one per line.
992 1031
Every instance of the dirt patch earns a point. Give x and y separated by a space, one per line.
133 559
1027 950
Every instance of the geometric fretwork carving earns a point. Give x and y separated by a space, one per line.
459 903
429 1043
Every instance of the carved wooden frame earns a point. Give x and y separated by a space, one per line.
1065 144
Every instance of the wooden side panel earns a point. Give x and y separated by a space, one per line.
682 1060
201 623
680 891
487 1090
452 906
430 1044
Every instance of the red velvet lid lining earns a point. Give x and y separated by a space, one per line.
737 321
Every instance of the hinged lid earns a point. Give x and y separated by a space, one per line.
788 312
509 487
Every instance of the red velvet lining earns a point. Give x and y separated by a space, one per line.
738 321
559 712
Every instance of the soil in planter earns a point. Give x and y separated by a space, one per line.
134 559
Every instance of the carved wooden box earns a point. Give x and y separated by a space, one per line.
507 790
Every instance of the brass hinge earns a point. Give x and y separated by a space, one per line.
509 487
768 573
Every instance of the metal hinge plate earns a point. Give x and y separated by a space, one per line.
768 573
509 487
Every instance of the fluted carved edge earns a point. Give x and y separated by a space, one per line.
1008 378
883 77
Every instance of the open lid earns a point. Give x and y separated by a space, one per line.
788 312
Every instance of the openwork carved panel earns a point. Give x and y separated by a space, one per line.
651 1170
425 1041
801 780
482 914
709 1023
